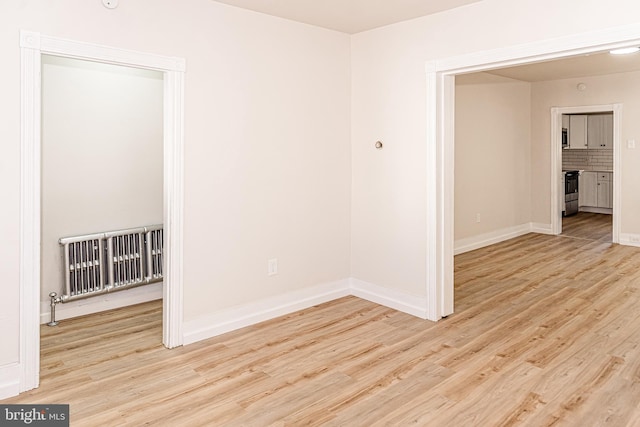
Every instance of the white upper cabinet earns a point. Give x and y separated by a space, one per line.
600 131
577 131
593 131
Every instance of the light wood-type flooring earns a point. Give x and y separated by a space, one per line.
586 225
546 332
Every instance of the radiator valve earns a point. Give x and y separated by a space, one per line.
54 301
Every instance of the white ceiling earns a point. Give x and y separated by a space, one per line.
595 64
353 16
348 16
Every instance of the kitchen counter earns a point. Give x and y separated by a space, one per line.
588 170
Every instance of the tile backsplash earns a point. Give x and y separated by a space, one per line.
589 159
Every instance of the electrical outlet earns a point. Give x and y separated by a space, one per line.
272 267
477 217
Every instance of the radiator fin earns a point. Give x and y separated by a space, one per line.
104 262
85 260
154 240
126 259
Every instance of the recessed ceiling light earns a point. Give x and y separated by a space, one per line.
624 50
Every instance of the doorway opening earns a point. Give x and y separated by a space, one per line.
590 155
101 171
32 47
440 84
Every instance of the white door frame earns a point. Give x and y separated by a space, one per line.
557 192
32 46
440 111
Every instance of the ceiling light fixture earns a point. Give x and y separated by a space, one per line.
624 50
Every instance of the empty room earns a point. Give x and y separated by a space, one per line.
362 208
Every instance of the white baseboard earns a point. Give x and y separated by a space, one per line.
108 301
9 380
255 312
629 239
607 211
480 241
391 298
249 314
540 228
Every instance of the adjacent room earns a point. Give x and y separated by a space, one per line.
102 146
509 112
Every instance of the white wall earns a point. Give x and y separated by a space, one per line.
267 159
621 88
101 154
267 155
492 155
389 103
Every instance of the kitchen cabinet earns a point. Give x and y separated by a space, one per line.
593 131
604 184
588 189
578 131
595 190
600 131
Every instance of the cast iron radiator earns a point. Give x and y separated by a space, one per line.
98 263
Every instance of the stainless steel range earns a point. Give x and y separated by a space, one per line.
571 192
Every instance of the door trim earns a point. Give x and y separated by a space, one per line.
440 111
32 46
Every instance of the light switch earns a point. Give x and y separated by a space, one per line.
272 267
631 143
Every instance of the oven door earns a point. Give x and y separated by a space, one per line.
571 182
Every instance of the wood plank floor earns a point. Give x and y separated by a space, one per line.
586 225
546 332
